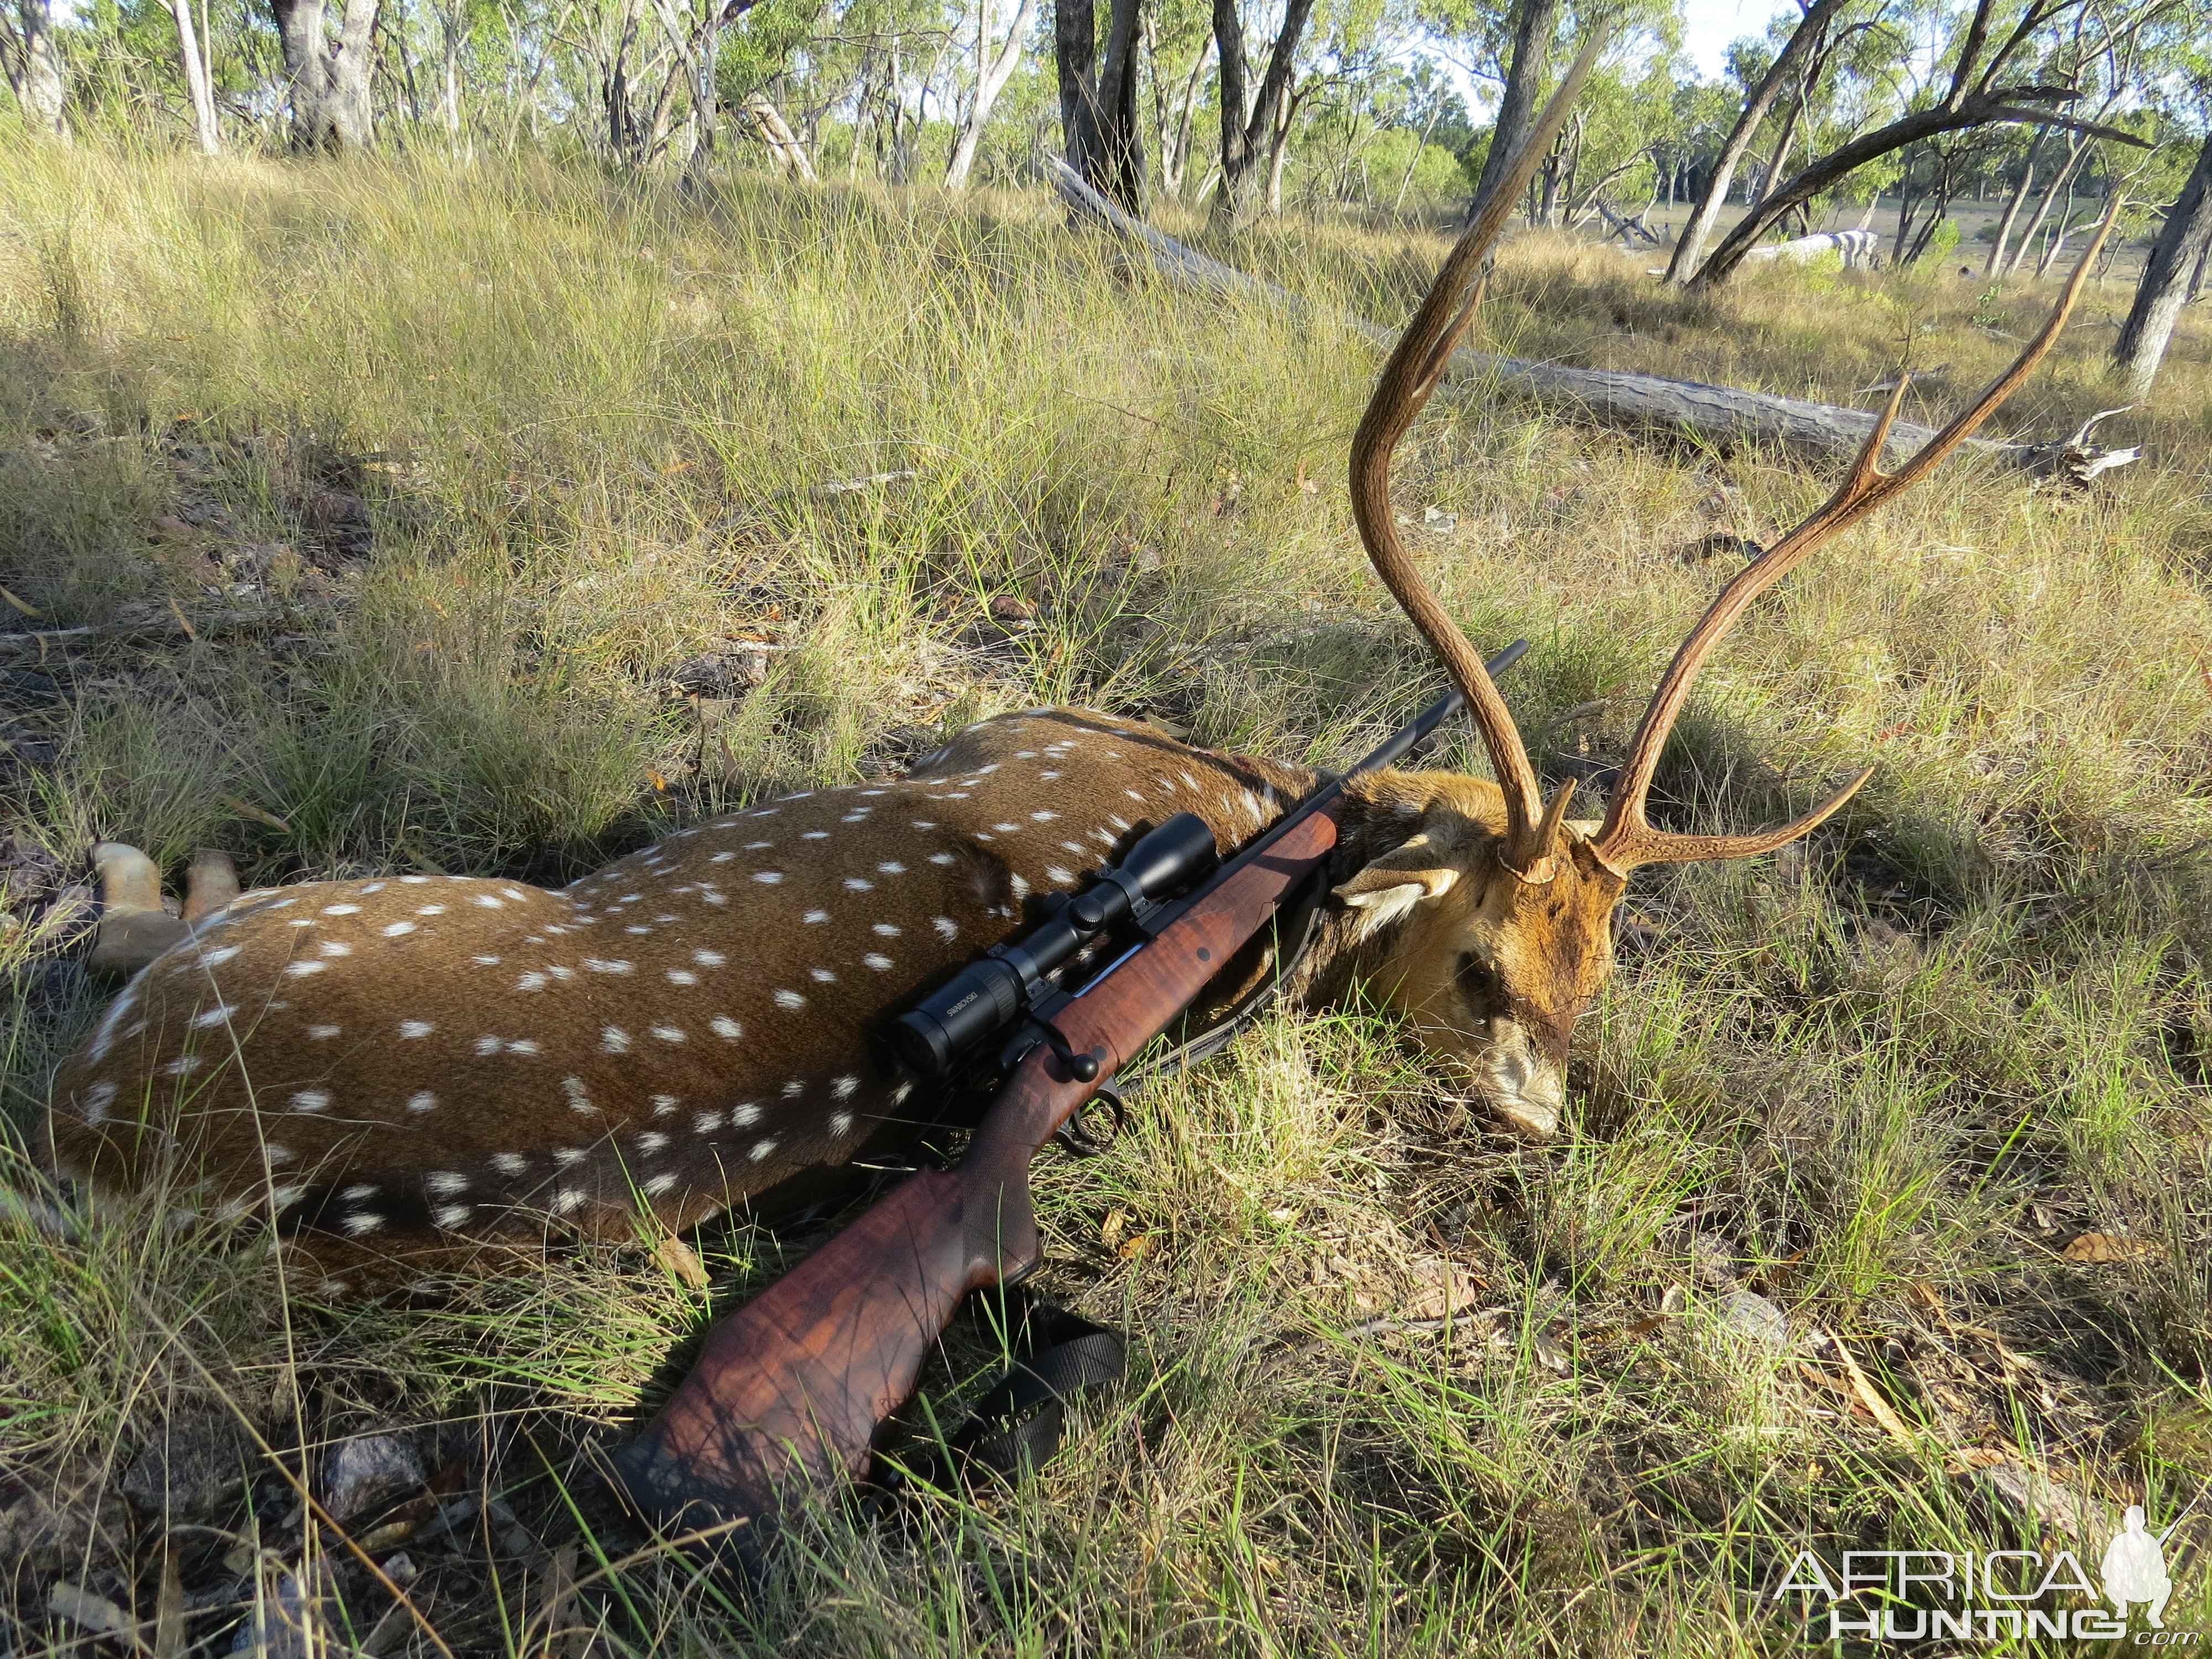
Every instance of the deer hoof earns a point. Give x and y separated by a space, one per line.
211 883
128 940
134 927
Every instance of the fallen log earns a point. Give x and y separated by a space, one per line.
1857 249
1710 414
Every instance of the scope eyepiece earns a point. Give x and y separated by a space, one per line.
988 994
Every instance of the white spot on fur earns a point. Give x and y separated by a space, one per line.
669 1033
422 1103
761 1149
301 969
395 929
311 1100
613 1040
790 999
877 961
726 1027
946 928
415 1028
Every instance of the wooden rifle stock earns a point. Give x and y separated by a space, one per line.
786 1395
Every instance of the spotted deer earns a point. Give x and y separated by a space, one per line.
416 1072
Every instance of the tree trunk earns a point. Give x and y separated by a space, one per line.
2183 243
1777 165
1098 99
1995 266
34 71
1122 137
705 55
1533 28
791 157
327 82
1683 267
1278 150
196 79
306 70
1175 135
1249 118
1075 55
991 74
352 118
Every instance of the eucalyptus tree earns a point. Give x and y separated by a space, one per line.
1254 113
994 67
327 69
34 65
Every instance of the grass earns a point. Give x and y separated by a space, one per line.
1397 1386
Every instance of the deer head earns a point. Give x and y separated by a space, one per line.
1490 927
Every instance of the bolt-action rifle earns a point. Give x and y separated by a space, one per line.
788 1392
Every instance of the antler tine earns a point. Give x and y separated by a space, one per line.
1627 838
1415 366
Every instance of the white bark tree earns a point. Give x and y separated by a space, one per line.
197 83
35 67
993 71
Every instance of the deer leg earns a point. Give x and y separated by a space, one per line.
134 928
211 883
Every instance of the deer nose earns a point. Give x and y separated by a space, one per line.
1521 1084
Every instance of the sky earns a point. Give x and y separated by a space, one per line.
1709 25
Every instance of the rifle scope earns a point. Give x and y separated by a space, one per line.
988 994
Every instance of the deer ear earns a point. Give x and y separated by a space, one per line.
1399 880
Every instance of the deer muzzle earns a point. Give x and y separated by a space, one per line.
1520 1082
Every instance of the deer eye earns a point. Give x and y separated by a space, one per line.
1478 981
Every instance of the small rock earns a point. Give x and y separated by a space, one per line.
1008 608
1748 1314
332 509
367 1471
723 676
401 1569
81 1608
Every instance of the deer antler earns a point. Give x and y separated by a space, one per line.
1415 366
1627 838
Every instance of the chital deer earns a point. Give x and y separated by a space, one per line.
412 1071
